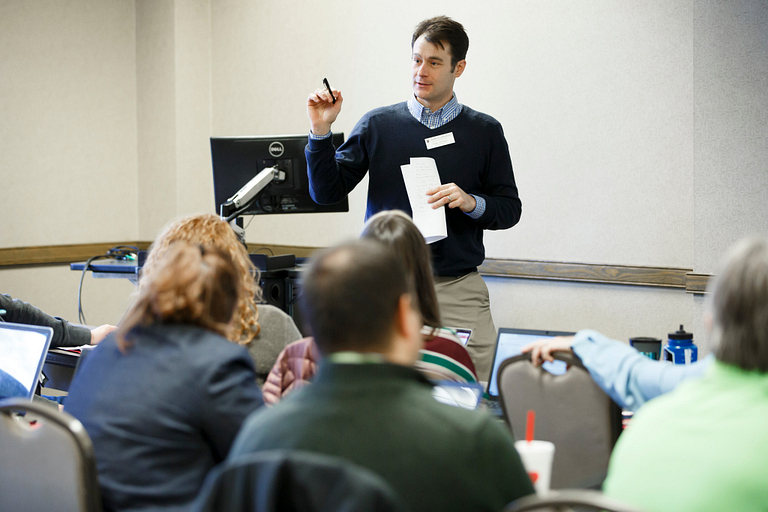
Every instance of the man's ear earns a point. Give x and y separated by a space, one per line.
405 316
708 321
408 322
408 340
459 68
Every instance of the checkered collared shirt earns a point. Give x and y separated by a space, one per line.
438 118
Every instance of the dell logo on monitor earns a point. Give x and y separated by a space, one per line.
276 149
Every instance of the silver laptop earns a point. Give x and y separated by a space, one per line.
508 344
22 354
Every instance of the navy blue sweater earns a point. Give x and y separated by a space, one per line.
388 137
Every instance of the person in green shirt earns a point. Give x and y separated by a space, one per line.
368 404
704 447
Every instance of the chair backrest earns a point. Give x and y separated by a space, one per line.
45 465
571 411
579 499
293 481
277 330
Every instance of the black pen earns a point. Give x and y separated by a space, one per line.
328 86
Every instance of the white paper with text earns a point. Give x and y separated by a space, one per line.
419 176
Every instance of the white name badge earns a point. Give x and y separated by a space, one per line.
440 140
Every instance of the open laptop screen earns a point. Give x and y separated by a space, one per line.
508 344
463 335
22 353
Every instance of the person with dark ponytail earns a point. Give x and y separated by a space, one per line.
163 397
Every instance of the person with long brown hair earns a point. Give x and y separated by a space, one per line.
443 356
264 329
164 396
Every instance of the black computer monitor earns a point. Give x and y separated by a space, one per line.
238 159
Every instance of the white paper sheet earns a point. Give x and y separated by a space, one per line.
419 176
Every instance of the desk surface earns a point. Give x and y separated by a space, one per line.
109 266
131 268
61 357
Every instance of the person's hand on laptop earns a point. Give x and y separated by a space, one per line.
541 350
99 333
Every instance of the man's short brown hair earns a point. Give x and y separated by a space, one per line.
440 30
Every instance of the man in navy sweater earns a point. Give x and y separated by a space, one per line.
478 185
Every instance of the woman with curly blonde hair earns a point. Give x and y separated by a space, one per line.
265 330
209 229
164 397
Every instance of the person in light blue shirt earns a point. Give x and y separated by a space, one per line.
626 375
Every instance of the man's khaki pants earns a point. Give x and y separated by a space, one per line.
464 303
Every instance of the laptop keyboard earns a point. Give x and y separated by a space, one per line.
492 406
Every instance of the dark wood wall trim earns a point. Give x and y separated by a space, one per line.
665 277
299 252
47 254
697 283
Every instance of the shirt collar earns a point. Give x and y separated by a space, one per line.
356 357
447 112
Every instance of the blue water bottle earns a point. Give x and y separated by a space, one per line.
680 348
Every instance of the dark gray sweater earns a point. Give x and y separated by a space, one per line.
64 334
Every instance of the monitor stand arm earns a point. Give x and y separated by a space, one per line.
239 202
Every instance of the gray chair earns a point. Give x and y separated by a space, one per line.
277 330
294 481
571 411
571 499
46 465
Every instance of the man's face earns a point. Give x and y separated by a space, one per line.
432 75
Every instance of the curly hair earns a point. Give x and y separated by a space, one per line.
209 230
190 284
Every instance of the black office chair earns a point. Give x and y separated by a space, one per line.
45 465
571 499
571 411
294 481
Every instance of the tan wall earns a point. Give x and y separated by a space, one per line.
637 130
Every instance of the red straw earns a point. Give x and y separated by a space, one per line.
530 424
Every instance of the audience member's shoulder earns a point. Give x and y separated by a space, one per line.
203 345
469 422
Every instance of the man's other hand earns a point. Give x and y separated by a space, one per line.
452 196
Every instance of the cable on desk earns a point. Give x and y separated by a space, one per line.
118 252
